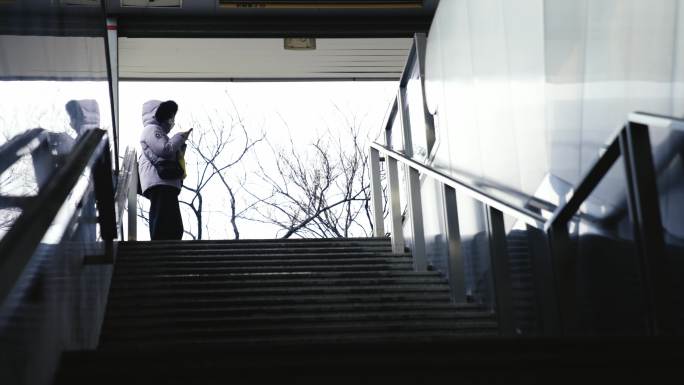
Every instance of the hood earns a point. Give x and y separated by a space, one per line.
83 114
148 110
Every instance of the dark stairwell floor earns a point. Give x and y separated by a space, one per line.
197 301
335 311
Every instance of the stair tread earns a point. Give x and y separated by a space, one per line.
299 308
287 289
407 280
307 328
283 275
268 259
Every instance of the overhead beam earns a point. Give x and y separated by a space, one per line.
272 26
349 26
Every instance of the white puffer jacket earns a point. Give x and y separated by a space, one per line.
156 144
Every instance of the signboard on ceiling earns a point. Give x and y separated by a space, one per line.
92 3
341 4
152 3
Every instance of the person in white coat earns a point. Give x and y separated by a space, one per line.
158 120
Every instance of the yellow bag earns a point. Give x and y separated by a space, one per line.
181 162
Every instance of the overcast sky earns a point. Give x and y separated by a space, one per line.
303 110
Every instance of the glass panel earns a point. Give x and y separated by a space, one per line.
57 303
609 291
668 148
57 83
475 249
530 93
436 246
524 246
53 78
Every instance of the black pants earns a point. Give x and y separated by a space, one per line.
165 216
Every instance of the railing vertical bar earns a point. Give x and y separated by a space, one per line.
376 194
417 229
500 270
132 200
644 210
545 286
395 206
564 266
453 235
405 120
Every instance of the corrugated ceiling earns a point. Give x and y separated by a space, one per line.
252 59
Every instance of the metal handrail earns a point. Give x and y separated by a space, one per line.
603 164
9 151
525 215
649 119
631 142
22 239
562 213
126 194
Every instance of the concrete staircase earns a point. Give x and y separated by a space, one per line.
342 311
216 297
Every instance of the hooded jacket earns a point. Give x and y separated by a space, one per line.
156 144
84 115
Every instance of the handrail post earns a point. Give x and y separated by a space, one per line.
453 235
564 266
132 200
500 270
395 206
104 195
545 287
644 211
417 229
376 194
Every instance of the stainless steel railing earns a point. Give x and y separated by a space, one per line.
126 195
556 281
91 152
632 142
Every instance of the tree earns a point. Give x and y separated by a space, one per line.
213 142
319 191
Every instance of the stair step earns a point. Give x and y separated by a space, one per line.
285 340
223 256
131 253
266 261
183 276
328 299
260 269
273 282
288 290
143 323
257 243
338 328
293 309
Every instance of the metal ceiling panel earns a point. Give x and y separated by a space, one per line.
52 58
322 4
152 3
261 59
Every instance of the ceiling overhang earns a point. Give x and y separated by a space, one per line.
233 40
219 18
261 59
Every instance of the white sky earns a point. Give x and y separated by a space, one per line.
302 109
306 108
